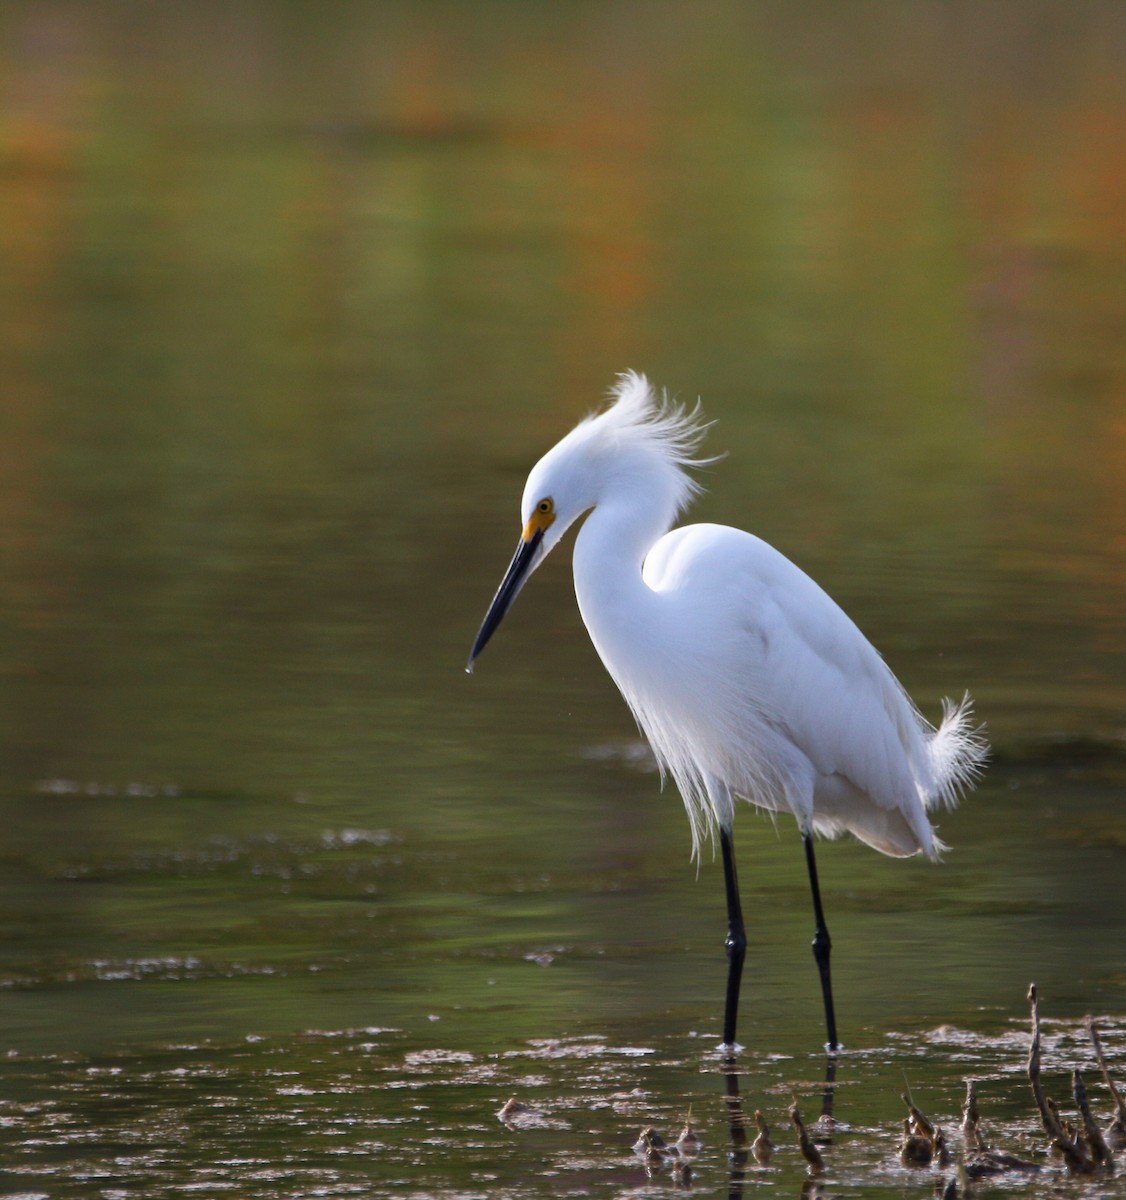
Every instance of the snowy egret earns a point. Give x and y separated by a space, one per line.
747 679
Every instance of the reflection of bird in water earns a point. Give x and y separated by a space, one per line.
747 679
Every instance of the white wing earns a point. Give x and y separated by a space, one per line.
817 721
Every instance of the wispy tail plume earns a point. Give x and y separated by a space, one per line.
959 750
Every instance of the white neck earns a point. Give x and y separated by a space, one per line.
616 604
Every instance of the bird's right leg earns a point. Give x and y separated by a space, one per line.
736 941
822 945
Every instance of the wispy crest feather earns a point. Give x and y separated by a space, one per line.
641 419
676 429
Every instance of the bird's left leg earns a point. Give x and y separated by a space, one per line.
736 941
822 945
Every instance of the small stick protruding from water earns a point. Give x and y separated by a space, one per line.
650 1145
689 1140
513 1111
982 1160
1116 1130
1074 1151
762 1147
922 1141
1096 1145
922 1125
915 1150
971 1118
808 1150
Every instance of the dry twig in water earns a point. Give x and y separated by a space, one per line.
971 1119
1116 1130
1077 1153
809 1151
762 1147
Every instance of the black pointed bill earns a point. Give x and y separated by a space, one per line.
514 578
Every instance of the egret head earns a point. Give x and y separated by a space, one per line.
638 447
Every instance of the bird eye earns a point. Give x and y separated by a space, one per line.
544 506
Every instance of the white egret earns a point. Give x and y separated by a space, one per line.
747 679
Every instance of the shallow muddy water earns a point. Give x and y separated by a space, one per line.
361 1112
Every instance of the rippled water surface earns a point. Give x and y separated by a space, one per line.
291 297
360 1112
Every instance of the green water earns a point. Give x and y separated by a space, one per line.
291 297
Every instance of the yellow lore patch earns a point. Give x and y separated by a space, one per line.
542 516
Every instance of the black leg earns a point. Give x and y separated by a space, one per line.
736 941
826 1118
737 1123
821 945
